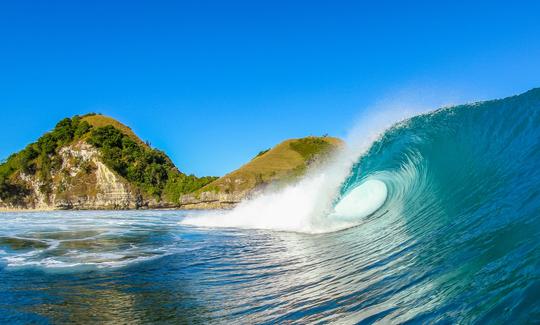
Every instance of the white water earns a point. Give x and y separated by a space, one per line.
298 207
307 206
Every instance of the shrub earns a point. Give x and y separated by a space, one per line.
311 147
148 168
262 153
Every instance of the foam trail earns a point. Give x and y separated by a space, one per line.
307 206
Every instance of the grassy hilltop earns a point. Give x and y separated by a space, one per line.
285 162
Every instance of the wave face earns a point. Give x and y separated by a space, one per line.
456 161
447 213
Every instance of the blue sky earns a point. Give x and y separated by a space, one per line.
214 82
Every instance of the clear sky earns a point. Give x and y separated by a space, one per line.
214 82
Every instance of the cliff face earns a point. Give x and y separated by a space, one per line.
85 182
82 182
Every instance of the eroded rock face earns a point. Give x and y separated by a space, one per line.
209 200
212 200
82 181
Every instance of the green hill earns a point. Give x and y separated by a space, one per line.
284 163
95 162
99 120
287 160
49 172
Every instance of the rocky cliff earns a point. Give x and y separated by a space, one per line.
82 182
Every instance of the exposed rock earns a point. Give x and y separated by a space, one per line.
212 200
82 182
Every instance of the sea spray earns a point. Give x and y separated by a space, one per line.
308 205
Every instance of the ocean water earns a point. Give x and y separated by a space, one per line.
436 221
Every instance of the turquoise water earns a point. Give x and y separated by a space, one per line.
456 240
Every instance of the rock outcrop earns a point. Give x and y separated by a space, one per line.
82 182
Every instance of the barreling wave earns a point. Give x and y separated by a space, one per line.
470 161
444 217
442 212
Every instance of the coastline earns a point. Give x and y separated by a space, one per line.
15 210
8 210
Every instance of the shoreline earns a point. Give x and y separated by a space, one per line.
7 210
14 210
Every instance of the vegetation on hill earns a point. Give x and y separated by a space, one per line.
39 158
261 153
150 169
284 162
121 150
145 168
98 120
311 147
